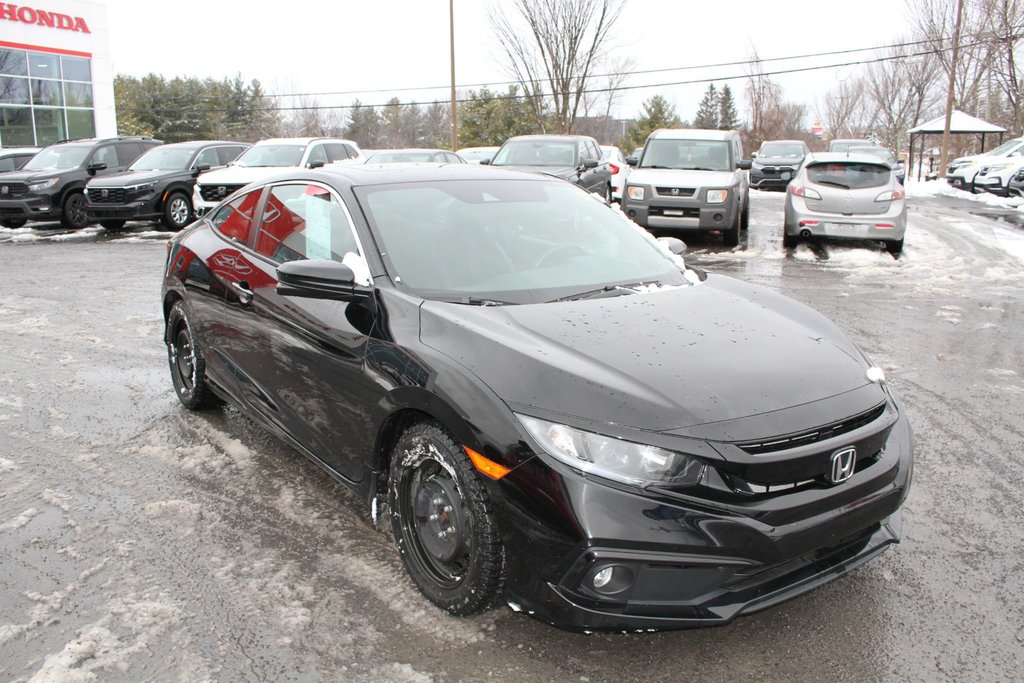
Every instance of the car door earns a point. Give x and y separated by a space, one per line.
105 154
304 364
593 179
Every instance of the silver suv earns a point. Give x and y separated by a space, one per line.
690 180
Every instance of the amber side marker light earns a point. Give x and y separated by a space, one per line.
485 466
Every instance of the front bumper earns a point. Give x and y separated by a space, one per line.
770 180
32 207
801 221
681 213
690 563
142 209
993 184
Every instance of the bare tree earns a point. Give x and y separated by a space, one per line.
771 117
553 48
1004 26
902 89
934 21
847 111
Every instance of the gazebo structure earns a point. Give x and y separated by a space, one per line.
959 124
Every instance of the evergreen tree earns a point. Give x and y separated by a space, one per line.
707 112
657 113
728 119
364 126
489 119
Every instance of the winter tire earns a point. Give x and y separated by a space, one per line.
188 367
731 237
13 223
790 241
74 215
444 521
177 212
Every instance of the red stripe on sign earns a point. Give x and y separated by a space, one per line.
51 50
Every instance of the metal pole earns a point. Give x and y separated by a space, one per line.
944 154
455 113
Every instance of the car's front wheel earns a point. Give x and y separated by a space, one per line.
177 212
444 521
13 223
731 237
188 366
74 214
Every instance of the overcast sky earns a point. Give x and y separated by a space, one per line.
313 46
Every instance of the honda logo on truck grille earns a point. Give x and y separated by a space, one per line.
844 462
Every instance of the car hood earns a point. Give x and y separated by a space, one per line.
669 177
563 172
239 175
134 178
29 176
696 361
778 161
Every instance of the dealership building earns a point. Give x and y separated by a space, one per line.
56 80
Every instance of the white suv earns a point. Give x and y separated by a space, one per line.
962 172
267 157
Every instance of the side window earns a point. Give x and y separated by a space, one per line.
452 158
127 152
207 156
307 221
105 155
351 151
7 164
225 155
317 154
336 152
234 220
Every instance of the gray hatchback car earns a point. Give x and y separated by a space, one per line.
846 196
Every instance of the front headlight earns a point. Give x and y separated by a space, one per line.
998 167
144 187
44 185
605 456
635 192
717 196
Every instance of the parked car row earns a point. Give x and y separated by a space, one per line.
995 171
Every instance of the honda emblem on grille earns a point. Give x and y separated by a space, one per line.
675 191
104 192
221 190
4 189
844 462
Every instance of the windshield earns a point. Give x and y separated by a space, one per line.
513 241
405 157
698 155
853 175
272 155
788 150
1004 148
474 154
163 159
58 158
536 153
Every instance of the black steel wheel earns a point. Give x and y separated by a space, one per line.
188 367
177 212
895 248
74 214
444 521
13 223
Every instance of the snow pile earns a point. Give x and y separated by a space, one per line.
32 235
941 188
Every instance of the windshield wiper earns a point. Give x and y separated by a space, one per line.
833 184
477 301
607 290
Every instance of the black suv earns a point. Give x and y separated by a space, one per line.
52 184
158 185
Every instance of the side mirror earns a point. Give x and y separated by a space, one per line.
319 163
674 244
201 168
485 162
753 155
91 169
743 164
632 161
319 279
591 163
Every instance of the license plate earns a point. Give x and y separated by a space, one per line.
847 229
673 212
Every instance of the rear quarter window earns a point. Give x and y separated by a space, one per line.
849 175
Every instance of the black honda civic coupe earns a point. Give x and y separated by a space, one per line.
546 404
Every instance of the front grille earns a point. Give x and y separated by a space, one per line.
754 488
11 211
813 435
674 211
107 195
774 170
675 191
13 190
215 193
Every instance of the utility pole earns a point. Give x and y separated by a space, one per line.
455 114
944 153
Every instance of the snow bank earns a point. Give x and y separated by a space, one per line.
940 188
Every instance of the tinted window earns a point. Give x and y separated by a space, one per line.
228 154
234 219
700 155
76 69
207 156
163 159
304 221
336 152
849 176
127 152
105 155
7 164
318 153
14 90
536 153
13 62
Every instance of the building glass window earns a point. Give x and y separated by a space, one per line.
44 98
16 126
49 125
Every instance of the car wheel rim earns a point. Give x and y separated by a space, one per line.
76 211
436 524
182 358
179 211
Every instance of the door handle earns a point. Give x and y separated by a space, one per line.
243 291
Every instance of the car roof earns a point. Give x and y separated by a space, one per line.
199 144
549 138
692 134
789 142
831 157
410 150
299 141
361 175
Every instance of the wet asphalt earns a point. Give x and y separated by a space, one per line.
142 542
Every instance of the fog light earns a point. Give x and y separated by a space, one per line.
718 217
631 213
603 577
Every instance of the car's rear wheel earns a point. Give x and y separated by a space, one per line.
608 195
188 366
895 248
177 212
13 223
73 214
113 225
444 521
